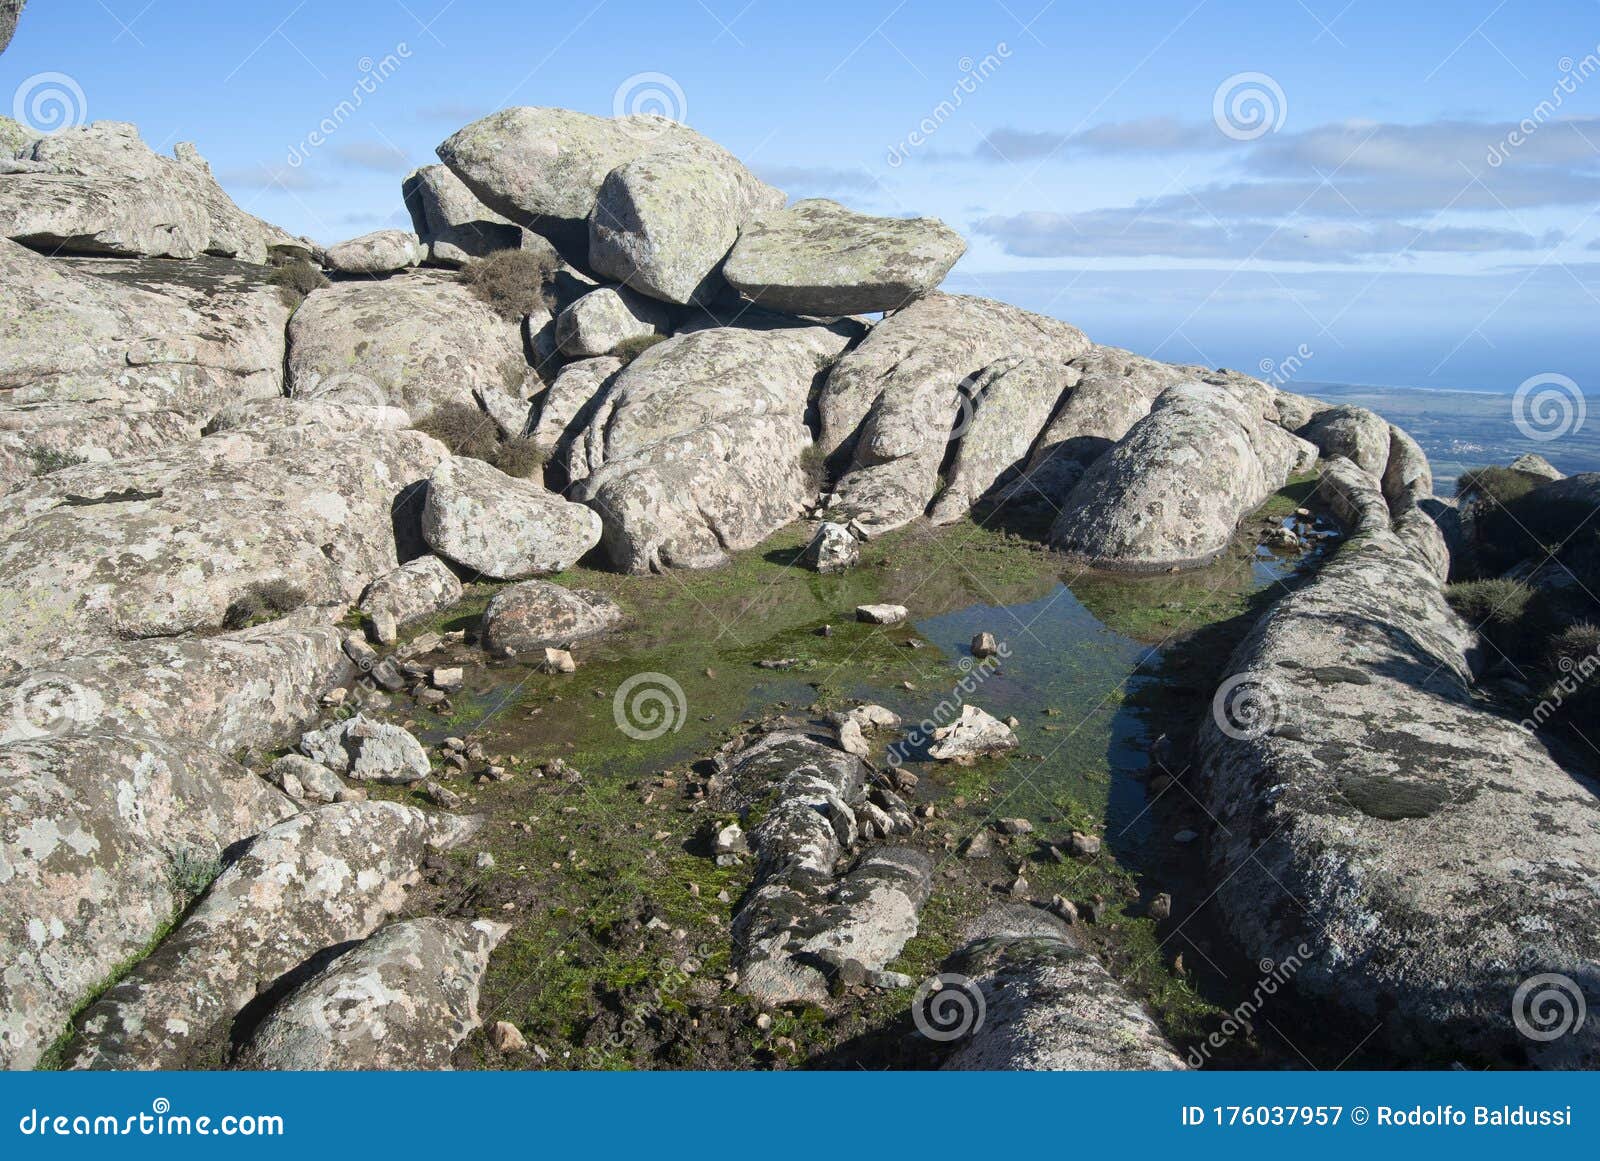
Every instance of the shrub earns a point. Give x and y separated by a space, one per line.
1568 648
263 601
47 460
513 283
814 464
1500 484
191 872
296 279
467 431
1490 604
519 457
630 349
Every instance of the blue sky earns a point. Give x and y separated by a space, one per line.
1350 222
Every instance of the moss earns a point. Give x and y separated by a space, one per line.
513 283
631 348
47 460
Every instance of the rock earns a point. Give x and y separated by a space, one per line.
833 548
882 614
527 617
1046 1004
1014 826
104 836
416 590
1185 837
1367 825
889 406
368 751
984 645
242 525
1170 494
403 999
9 11
380 252
1353 432
1407 476
1083 846
418 340
1004 408
557 661
507 1038
698 447
975 734
730 840
605 317
449 678
664 221
317 783
501 527
38 438
1063 909
543 168
99 189
818 258
1532 464
454 225
1161 907
564 409
979 846
318 880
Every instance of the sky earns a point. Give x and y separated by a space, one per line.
1310 190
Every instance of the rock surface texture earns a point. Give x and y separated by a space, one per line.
501 527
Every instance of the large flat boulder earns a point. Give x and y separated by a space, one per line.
501 527
98 832
321 879
39 438
380 252
890 405
530 616
818 258
664 220
1172 491
1359 435
698 447
260 520
455 226
403 999
1421 854
417 340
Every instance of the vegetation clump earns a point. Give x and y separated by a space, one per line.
296 279
1490 605
514 283
631 348
467 431
263 601
47 460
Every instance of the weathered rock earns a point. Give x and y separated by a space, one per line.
565 408
889 405
543 168
403 999
9 11
1353 432
317 783
881 614
833 548
1004 408
528 617
380 252
39 438
1407 476
418 340
973 735
368 751
417 589
698 447
664 220
603 318
170 544
103 835
1047 1004
1532 464
321 879
1360 813
455 226
818 258
1170 494
501 527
